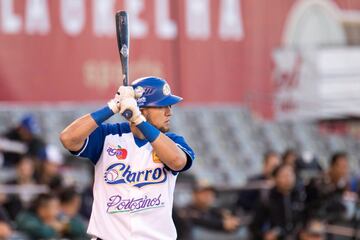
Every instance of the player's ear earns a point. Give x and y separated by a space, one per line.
144 112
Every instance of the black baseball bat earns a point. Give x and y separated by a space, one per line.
123 41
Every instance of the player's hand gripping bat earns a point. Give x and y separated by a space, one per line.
123 37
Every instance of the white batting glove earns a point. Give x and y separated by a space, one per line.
122 93
114 105
130 104
126 92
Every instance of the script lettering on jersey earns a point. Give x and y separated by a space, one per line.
117 204
120 173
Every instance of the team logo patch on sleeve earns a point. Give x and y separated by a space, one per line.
155 157
119 152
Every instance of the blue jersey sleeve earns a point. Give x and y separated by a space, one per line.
180 142
94 144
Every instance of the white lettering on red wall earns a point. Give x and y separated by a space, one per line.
10 22
138 27
103 18
230 27
165 27
198 19
35 18
72 16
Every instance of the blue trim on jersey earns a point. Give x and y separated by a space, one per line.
125 127
140 142
84 146
93 147
180 142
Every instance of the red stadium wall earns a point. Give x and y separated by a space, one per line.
66 50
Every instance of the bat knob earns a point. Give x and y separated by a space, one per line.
127 114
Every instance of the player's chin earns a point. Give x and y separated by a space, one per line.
165 128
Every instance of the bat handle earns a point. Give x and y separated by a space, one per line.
127 114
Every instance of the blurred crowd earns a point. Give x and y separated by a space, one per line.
293 197
36 202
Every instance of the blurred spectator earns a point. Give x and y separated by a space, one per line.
41 221
248 198
70 204
24 177
183 226
49 170
202 212
87 200
325 193
5 228
289 157
279 216
308 166
308 161
314 230
26 132
24 171
270 162
305 166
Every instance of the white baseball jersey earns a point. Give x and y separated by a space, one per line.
133 190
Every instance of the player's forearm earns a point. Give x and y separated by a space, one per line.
74 135
169 153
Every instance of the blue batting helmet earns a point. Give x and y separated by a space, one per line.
154 92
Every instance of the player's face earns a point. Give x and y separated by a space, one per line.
159 117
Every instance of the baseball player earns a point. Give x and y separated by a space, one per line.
136 162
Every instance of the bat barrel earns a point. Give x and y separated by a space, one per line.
123 37
122 32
